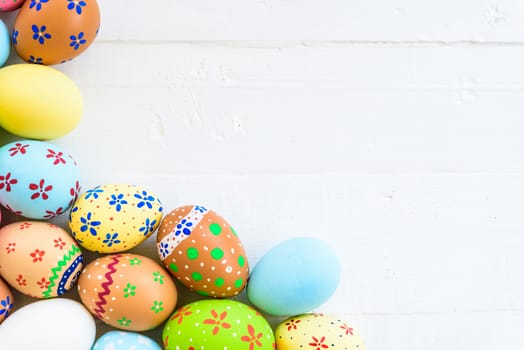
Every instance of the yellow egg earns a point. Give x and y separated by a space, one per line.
114 218
38 102
317 331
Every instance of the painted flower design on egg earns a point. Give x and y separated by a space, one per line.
54 32
39 33
37 4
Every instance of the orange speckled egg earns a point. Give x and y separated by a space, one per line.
203 251
54 31
6 300
127 291
39 259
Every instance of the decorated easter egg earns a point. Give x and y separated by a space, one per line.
5 43
294 277
114 218
203 251
10 5
38 102
6 300
127 291
58 324
50 31
38 258
38 180
317 331
216 324
120 340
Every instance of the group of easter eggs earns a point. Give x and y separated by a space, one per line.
130 292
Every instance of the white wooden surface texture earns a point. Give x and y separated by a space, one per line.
392 129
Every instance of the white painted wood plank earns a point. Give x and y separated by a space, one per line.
372 20
311 20
188 109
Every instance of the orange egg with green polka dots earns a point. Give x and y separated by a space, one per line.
203 251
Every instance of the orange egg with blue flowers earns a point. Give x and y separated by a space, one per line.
55 31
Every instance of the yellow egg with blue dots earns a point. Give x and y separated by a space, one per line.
114 218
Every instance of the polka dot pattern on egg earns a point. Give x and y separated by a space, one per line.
203 251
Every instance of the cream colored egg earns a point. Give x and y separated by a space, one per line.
317 331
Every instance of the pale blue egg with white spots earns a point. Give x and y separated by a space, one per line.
120 340
5 43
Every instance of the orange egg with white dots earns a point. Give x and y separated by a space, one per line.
127 291
203 251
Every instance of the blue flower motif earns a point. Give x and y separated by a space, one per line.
74 210
93 193
34 60
40 34
37 4
145 199
76 41
5 306
117 201
148 227
163 249
88 224
14 37
111 239
76 4
183 227
200 208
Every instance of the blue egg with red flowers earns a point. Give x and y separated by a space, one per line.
38 180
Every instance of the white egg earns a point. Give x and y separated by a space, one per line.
58 324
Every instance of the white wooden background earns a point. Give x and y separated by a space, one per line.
393 129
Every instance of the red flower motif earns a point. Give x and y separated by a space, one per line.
21 280
59 243
74 191
18 148
16 212
10 247
217 321
24 225
183 311
51 214
40 189
347 328
252 339
37 255
319 344
43 283
292 324
6 182
58 157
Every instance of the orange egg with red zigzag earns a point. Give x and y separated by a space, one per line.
39 259
127 291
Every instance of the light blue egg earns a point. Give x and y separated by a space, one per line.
5 43
120 340
38 180
294 277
